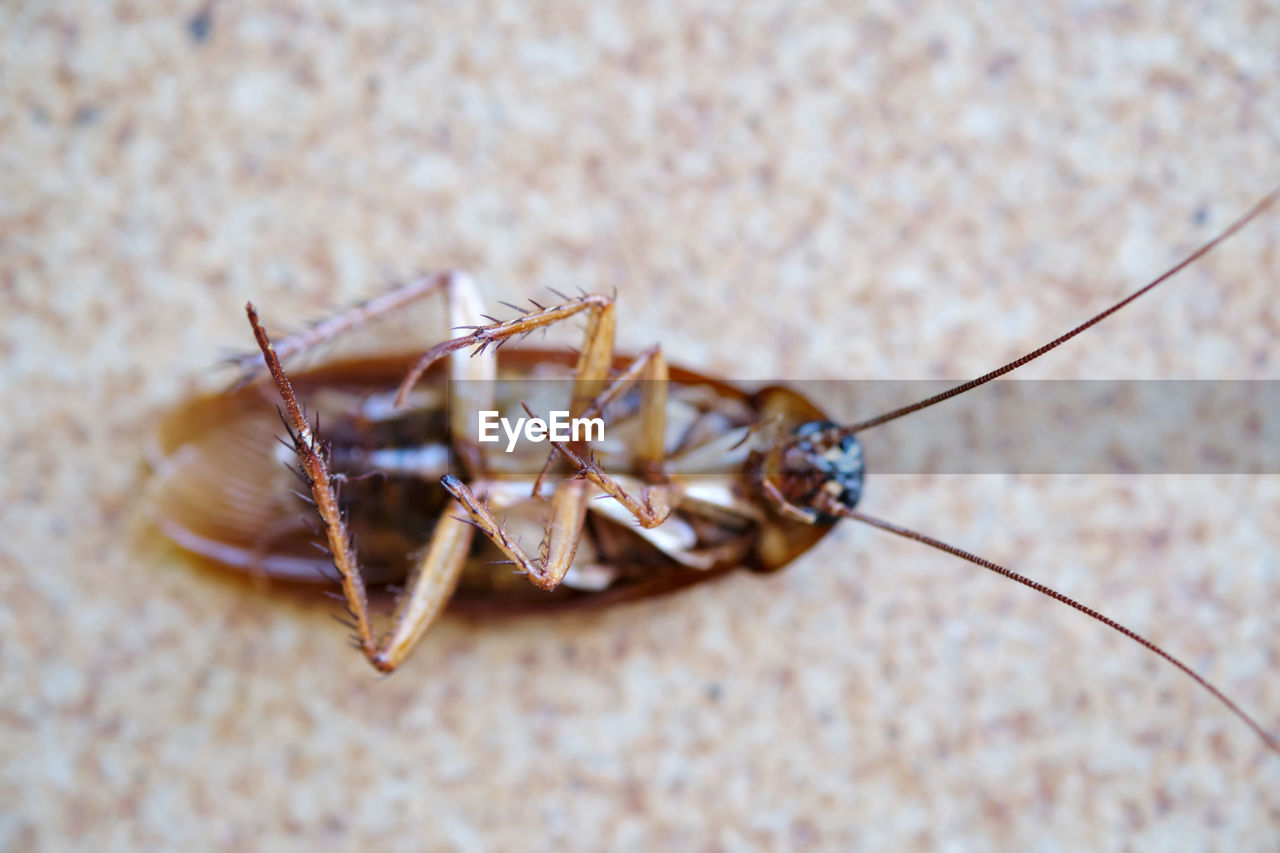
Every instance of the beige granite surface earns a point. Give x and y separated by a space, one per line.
795 190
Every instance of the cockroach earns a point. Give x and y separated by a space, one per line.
401 471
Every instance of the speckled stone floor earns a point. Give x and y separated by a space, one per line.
777 191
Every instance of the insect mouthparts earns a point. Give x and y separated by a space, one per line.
823 466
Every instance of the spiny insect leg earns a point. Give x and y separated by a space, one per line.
650 509
430 584
651 367
560 539
328 329
493 335
312 458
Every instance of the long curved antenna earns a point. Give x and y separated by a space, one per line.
1231 229
836 509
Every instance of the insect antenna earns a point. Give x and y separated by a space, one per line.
839 509
1255 211
847 512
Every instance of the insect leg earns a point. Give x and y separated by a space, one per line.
569 503
559 544
430 586
651 367
593 364
654 504
326 330
432 581
650 509
312 457
471 379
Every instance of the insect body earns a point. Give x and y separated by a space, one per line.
223 493
697 477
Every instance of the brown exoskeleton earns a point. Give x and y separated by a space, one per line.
618 521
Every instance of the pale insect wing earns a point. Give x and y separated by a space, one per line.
220 490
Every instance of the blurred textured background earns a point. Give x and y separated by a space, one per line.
777 190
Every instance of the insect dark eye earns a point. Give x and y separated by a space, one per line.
834 463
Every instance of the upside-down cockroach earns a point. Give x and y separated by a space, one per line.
389 456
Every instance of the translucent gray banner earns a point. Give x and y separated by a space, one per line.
1067 427
1013 426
